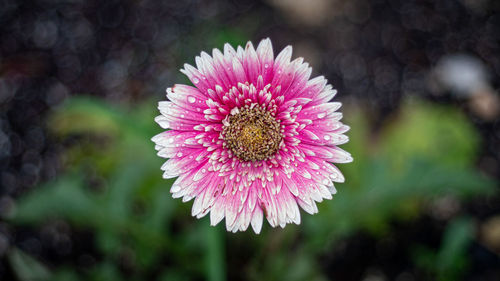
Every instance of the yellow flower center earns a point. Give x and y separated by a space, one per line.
252 133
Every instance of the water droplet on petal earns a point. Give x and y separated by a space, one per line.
196 80
179 154
182 116
326 182
321 115
326 137
266 65
203 170
191 99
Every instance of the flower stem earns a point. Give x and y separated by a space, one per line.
215 254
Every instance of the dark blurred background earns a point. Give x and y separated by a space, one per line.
81 194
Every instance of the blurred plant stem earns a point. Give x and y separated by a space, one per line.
215 254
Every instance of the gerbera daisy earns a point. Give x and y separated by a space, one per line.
255 137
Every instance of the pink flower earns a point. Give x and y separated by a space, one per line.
255 137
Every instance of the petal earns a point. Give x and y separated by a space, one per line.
198 79
251 63
171 109
222 67
313 112
266 58
283 70
301 74
187 97
175 139
257 219
176 166
313 88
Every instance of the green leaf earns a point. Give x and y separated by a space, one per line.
106 271
87 115
63 198
385 194
452 256
161 205
450 261
27 268
122 187
439 133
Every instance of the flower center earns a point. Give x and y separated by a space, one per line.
252 133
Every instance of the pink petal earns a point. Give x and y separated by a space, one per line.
266 59
187 97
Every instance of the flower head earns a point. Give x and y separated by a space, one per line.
254 137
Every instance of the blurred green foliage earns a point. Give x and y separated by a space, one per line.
439 134
113 187
450 261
